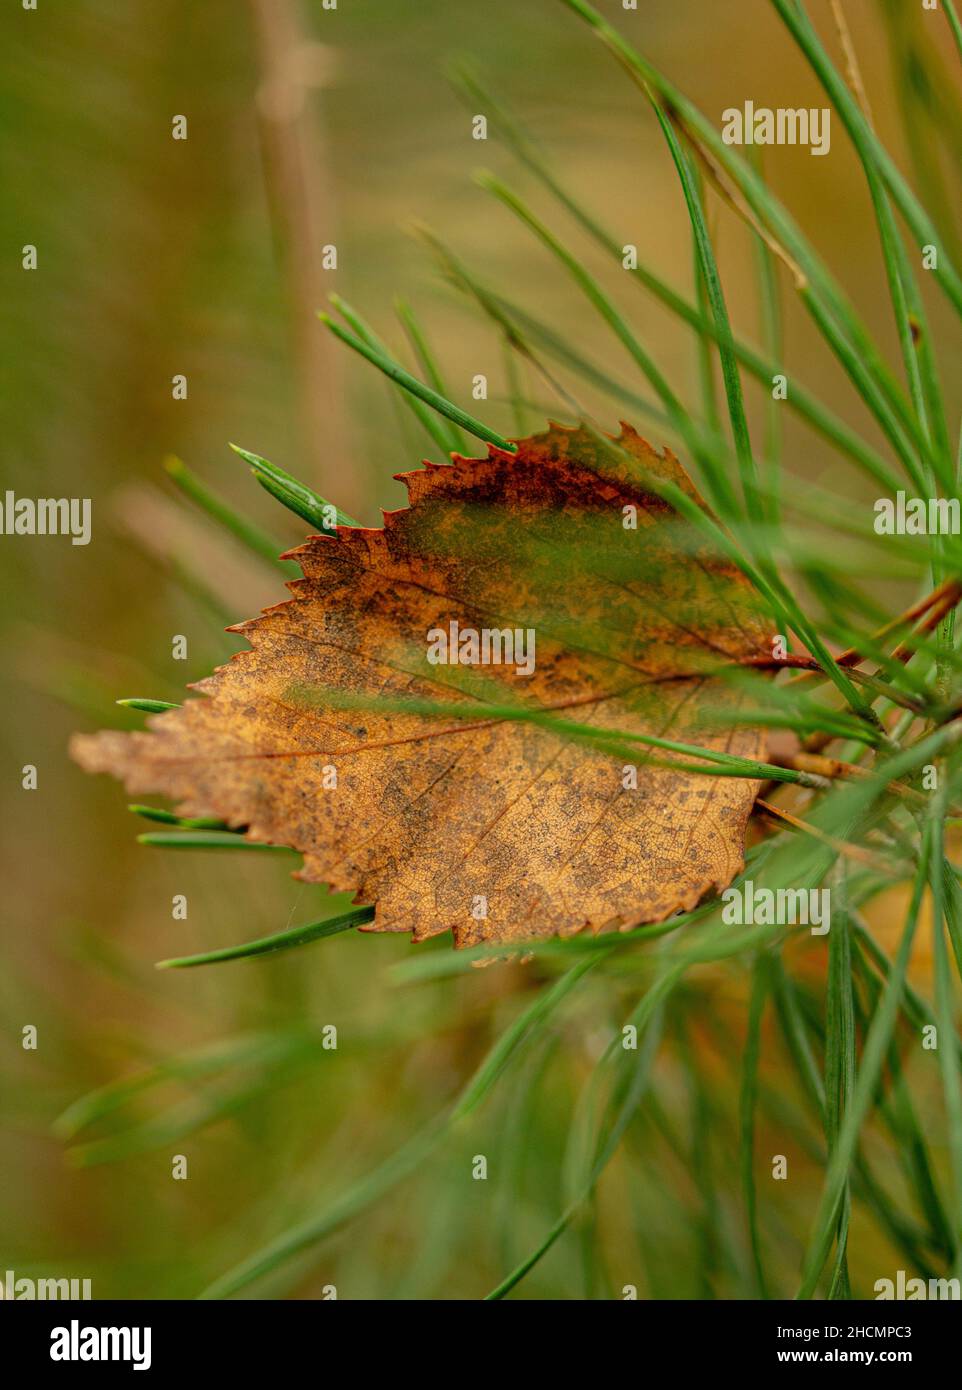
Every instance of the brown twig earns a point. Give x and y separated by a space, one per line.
951 593
932 609
302 207
858 852
836 769
853 70
941 601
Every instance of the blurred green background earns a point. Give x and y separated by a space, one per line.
309 127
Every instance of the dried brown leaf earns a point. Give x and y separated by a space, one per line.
495 828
